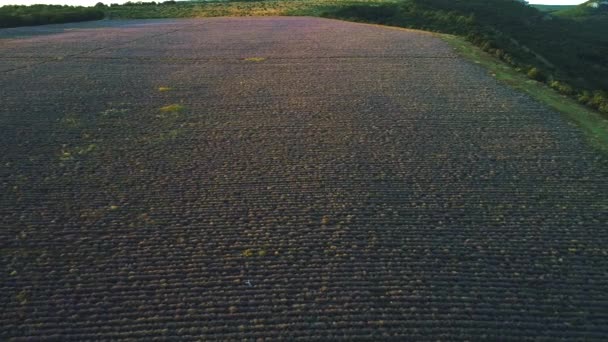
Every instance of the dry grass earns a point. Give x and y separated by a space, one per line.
172 108
254 59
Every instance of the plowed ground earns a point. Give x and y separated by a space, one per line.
310 179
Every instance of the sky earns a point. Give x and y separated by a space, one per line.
93 2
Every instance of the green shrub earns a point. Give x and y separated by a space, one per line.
562 88
536 74
584 97
599 99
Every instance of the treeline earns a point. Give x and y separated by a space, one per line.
150 9
138 3
13 16
569 56
151 3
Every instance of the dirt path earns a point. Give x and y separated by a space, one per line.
306 178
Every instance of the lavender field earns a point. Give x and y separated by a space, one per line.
287 178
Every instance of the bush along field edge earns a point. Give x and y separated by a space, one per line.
594 124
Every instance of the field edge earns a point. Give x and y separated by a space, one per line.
593 125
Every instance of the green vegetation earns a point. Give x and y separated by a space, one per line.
69 153
552 8
22 297
253 252
71 121
325 220
588 9
13 16
168 136
550 49
194 9
255 59
592 123
536 75
113 113
173 108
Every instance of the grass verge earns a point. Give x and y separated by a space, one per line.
173 108
592 123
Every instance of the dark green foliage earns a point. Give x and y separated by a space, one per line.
382 14
552 8
597 99
570 55
536 75
13 16
152 3
406 14
148 10
562 87
585 10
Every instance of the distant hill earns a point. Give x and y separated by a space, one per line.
552 8
589 8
